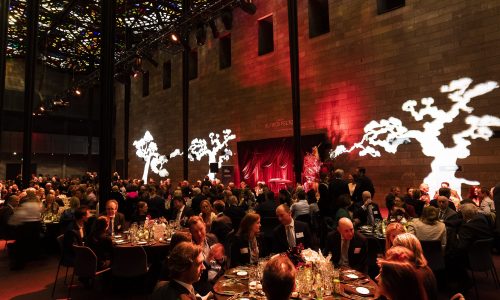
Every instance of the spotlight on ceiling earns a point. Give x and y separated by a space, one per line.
226 17
248 7
201 34
78 92
213 28
174 37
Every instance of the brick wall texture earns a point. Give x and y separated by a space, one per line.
364 69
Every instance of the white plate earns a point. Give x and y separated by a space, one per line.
352 276
142 243
362 290
242 273
117 236
119 241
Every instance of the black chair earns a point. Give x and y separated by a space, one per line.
65 260
434 254
129 261
267 226
480 260
85 265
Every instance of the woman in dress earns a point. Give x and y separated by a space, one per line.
207 213
245 248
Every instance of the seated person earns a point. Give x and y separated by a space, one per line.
50 205
185 264
207 213
212 257
425 274
140 213
445 214
301 207
75 233
349 248
391 232
343 204
222 225
428 227
446 192
278 280
246 246
367 211
116 219
101 243
290 232
399 280
7 232
180 212
401 210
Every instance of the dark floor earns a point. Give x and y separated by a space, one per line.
35 282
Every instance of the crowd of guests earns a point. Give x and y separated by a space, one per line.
234 225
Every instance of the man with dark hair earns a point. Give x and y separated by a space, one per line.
336 188
185 265
278 280
222 225
290 232
180 212
389 198
363 183
76 233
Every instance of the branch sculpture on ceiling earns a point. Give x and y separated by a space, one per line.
199 148
390 134
148 150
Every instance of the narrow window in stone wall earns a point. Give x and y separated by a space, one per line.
167 75
266 35
319 18
145 84
384 6
193 64
225 52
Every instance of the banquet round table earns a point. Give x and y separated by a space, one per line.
233 287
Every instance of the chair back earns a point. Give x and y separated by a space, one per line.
129 261
480 259
85 262
306 218
66 259
434 254
371 257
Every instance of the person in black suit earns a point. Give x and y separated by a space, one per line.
234 212
7 231
336 188
185 264
76 233
446 214
363 183
196 201
349 248
101 243
389 198
366 213
156 204
222 225
246 246
116 219
180 212
289 233
267 209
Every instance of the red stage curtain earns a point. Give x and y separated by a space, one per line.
268 159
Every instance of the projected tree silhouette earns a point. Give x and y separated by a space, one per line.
148 150
217 154
390 134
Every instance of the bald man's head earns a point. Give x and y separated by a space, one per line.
346 229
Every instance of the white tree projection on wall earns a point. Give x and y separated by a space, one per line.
148 150
390 134
217 154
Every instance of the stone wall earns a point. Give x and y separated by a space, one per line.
364 69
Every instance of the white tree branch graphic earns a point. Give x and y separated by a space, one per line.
148 150
390 134
199 148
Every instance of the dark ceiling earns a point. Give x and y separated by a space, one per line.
69 30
